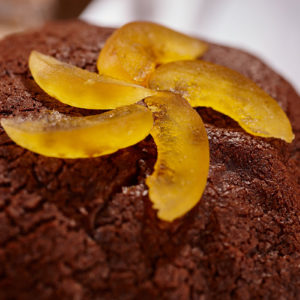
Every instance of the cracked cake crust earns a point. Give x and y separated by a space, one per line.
85 229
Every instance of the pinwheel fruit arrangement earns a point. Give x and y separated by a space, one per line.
150 78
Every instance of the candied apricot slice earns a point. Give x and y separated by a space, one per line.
61 136
133 51
81 88
181 169
227 91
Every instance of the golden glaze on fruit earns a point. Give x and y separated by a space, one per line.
227 91
133 51
81 88
61 136
181 169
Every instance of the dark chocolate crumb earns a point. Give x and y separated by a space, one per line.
85 229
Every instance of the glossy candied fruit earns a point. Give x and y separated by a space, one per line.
81 88
61 136
227 91
132 52
181 169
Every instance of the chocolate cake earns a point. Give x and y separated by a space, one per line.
85 228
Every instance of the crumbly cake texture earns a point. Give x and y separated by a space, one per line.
85 229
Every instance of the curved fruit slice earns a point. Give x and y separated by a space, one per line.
80 88
61 136
229 92
181 170
134 50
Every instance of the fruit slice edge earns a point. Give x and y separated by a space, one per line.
80 88
227 91
181 169
57 135
132 52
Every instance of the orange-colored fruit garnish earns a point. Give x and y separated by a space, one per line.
181 169
131 55
80 88
133 51
63 136
227 91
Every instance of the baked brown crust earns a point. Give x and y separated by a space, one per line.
85 229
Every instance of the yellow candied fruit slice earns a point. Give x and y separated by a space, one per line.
61 136
227 91
132 52
181 169
81 88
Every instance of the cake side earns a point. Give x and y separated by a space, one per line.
84 229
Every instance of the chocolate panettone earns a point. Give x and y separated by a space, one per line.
86 229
